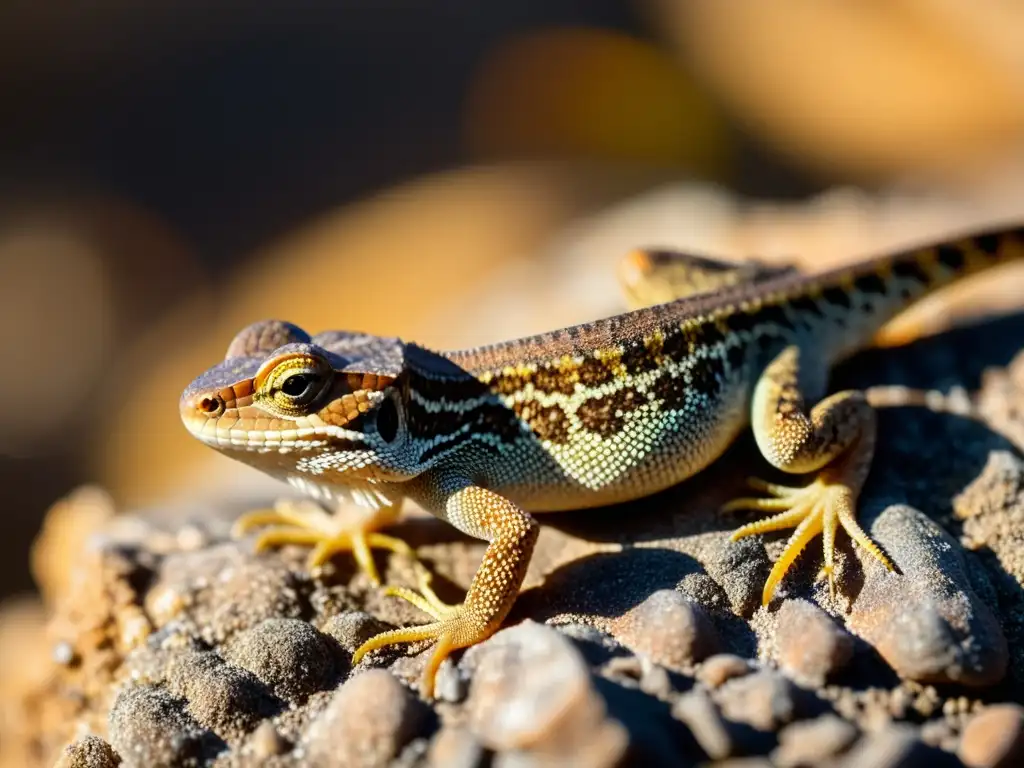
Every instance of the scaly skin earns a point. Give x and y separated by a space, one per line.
586 416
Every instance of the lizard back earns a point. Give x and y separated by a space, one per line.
635 403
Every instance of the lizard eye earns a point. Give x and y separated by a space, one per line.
290 385
301 388
298 384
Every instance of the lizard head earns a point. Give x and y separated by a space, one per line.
322 412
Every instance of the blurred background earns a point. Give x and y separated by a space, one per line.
452 172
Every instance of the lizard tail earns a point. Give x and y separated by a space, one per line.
881 289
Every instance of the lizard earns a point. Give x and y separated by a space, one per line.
586 416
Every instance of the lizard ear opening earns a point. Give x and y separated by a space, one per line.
387 420
264 336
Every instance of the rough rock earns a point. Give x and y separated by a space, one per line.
813 741
741 568
366 724
228 700
765 700
455 748
352 628
150 728
808 643
994 738
721 667
669 629
895 746
699 713
88 752
288 655
927 621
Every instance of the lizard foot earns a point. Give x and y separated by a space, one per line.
454 627
812 509
307 523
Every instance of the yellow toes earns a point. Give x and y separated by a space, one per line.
456 631
280 537
820 507
805 531
307 524
425 599
256 519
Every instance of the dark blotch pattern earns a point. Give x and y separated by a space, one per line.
676 345
742 322
607 415
594 373
911 270
775 315
951 257
706 378
553 380
549 423
637 358
671 390
870 284
837 297
989 244
736 356
805 305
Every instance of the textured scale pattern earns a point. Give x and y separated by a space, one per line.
589 415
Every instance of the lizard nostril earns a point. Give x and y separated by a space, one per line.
211 405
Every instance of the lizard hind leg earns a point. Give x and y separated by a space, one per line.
648 276
305 522
836 440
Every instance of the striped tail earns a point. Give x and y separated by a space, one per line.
881 289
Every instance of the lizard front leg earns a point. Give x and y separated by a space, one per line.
512 534
836 440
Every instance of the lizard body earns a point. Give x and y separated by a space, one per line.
586 416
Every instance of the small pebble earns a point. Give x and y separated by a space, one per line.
764 700
668 629
994 737
455 748
532 691
64 654
699 713
721 667
367 723
450 684
88 752
811 742
809 644
267 742
895 746
288 655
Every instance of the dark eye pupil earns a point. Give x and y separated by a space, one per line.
297 384
387 421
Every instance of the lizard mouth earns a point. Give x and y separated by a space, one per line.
226 421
